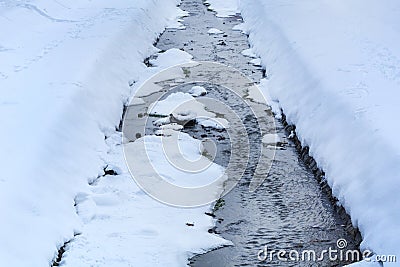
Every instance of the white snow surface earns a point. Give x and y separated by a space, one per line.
171 57
216 123
123 226
179 103
173 103
214 31
65 71
334 68
197 91
256 62
185 107
224 8
240 27
249 53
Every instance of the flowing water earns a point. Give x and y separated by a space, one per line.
289 210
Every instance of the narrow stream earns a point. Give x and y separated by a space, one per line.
289 210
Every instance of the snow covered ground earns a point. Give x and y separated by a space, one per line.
65 71
66 68
123 226
334 69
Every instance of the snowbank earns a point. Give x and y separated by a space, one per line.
123 226
64 73
334 68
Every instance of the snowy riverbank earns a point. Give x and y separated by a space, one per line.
65 72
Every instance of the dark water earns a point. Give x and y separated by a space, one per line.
289 210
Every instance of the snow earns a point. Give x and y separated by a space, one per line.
214 31
162 121
183 116
240 27
66 69
168 129
172 126
189 150
126 227
179 103
171 104
184 107
197 91
249 53
254 94
224 8
216 123
173 55
176 24
256 62
334 69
